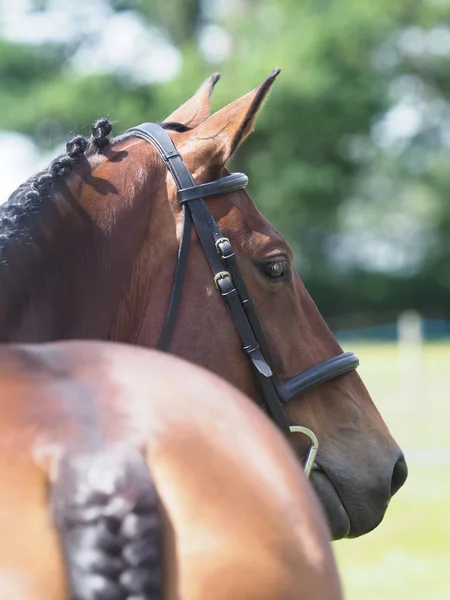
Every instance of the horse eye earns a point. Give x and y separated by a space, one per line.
276 269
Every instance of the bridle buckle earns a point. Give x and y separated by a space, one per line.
223 247
219 276
221 241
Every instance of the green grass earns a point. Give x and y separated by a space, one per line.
408 556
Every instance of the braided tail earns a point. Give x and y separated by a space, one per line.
106 511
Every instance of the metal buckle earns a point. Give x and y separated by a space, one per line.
220 275
313 448
220 241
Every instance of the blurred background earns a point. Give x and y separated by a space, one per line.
350 160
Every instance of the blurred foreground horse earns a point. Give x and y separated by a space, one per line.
148 239
122 481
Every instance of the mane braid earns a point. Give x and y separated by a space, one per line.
18 212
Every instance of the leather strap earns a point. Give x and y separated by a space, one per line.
178 281
224 185
224 247
169 153
329 369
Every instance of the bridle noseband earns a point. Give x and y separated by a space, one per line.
229 282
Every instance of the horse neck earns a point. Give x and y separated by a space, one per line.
66 281
143 305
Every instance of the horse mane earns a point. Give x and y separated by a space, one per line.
18 212
24 203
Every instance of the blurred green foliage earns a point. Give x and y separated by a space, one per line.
350 157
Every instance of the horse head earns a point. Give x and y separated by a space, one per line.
104 261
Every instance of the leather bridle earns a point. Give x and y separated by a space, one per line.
230 284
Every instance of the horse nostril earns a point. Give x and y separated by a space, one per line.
399 475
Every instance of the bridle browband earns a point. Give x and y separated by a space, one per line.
229 282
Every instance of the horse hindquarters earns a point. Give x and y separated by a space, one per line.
106 511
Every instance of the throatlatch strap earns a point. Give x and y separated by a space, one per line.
177 288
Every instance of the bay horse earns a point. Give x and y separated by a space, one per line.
121 481
148 239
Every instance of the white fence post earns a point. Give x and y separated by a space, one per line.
410 358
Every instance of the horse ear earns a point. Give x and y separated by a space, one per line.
226 129
196 110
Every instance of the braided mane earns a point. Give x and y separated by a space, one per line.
25 201
20 210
